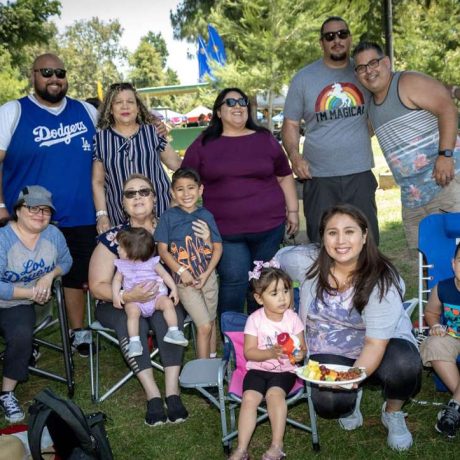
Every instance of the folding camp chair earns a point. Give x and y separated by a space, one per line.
438 235
226 375
95 349
44 322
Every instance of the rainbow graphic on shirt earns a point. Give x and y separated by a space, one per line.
339 95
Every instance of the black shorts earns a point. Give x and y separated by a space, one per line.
81 242
262 381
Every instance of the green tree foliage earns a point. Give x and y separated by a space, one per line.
268 41
12 85
159 43
148 63
427 38
24 22
190 18
92 52
147 66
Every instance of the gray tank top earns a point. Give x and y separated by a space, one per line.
409 139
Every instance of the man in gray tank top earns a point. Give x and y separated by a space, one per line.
337 156
415 121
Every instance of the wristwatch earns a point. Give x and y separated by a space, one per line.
446 153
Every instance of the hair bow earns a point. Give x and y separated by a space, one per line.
259 265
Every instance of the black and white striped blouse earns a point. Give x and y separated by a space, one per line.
122 156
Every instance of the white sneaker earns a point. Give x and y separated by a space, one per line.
355 420
176 337
399 437
11 407
134 349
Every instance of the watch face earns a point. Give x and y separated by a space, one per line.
446 153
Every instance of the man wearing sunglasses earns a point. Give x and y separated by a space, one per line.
415 121
337 156
46 139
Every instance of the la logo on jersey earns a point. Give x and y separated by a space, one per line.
46 137
86 145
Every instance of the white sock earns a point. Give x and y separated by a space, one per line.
173 328
135 338
213 355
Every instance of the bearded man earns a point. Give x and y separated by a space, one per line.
337 155
46 139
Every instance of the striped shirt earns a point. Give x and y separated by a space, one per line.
409 139
122 156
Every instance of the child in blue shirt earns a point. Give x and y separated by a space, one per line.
190 245
442 348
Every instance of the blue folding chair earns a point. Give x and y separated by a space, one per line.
438 235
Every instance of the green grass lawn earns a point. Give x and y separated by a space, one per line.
199 437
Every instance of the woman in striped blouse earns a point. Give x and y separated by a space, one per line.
126 143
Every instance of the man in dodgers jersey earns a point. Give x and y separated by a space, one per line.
46 139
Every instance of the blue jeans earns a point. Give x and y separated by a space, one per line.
239 253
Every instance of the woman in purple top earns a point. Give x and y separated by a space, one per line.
248 187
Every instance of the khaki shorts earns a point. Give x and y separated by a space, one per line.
436 348
200 304
448 199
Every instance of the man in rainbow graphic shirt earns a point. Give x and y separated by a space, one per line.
337 155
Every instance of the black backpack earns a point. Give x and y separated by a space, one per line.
76 436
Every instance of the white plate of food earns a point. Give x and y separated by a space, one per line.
332 375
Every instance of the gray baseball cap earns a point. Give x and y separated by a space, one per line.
36 195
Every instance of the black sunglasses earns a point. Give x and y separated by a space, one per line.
231 102
132 193
342 34
48 72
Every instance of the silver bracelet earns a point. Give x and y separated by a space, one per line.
101 213
181 270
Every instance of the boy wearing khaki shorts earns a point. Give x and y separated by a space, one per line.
441 349
191 246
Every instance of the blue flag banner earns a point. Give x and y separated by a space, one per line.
203 66
215 48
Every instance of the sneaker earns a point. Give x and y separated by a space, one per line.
176 410
448 422
79 341
155 412
176 337
134 349
355 420
399 437
11 407
35 355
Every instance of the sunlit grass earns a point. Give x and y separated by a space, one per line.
199 437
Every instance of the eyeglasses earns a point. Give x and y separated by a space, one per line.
342 34
141 192
122 86
372 64
37 209
231 102
48 72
